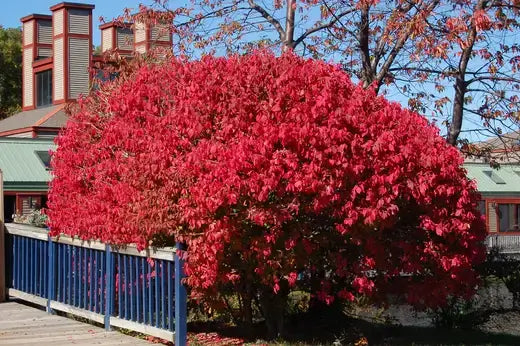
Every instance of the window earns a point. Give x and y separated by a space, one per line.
495 177
508 217
482 208
45 158
44 88
27 204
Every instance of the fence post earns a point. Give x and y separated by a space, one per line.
181 312
3 263
109 303
51 280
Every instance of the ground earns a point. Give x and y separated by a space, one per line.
503 328
496 323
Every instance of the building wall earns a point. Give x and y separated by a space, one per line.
79 58
125 38
107 39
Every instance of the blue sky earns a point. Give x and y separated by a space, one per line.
13 10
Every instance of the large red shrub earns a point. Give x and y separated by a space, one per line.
277 172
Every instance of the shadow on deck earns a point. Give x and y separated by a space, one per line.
24 325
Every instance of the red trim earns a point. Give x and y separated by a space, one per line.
65 55
503 200
14 193
106 25
35 16
54 38
47 116
29 129
42 68
115 24
29 193
34 87
90 45
78 35
35 55
23 69
114 38
43 62
148 36
72 5
16 131
487 216
488 210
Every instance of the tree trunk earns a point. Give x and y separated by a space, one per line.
247 300
288 40
368 73
273 308
458 111
460 83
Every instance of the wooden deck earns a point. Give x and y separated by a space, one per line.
24 325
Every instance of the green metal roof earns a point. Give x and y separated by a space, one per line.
23 169
501 182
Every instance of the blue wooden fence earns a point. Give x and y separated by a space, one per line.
125 288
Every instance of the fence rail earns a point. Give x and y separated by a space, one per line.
507 243
120 287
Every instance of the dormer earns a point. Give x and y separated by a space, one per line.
36 46
57 62
72 49
149 36
118 37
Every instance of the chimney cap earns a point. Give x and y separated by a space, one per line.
35 16
72 5
115 24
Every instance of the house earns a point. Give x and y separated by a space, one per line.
58 63
500 191
57 67
25 166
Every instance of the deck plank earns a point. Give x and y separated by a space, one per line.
24 325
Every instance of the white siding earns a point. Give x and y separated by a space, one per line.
140 32
160 33
57 22
78 67
125 38
140 49
22 135
27 77
44 52
59 70
45 31
492 214
106 36
79 21
28 32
